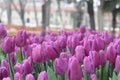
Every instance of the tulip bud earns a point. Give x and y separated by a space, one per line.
66 55
88 65
95 56
17 76
8 78
4 63
87 46
80 53
82 29
93 77
102 57
36 54
117 64
43 76
9 44
60 65
26 67
74 71
18 68
4 72
111 54
3 32
21 38
30 77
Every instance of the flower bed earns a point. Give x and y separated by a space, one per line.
78 54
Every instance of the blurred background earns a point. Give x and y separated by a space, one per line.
56 14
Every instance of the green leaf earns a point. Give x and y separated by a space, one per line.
106 69
51 74
114 77
118 78
18 56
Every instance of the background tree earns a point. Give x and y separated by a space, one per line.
21 9
111 6
46 14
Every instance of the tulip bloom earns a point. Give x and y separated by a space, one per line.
74 71
88 65
111 54
117 64
9 44
60 65
29 77
8 78
17 76
36 56
21 38
95 56
18 68
3 72
80 53
102 57
43 76
93 77
4 63
82 29
3 32
26 67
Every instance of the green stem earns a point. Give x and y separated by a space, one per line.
10 67
45 66
21 53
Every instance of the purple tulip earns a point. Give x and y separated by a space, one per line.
4 63
95 56
9 44
3 32
117 64
66 55
26 66
8 78
82 29
17 76
12 58
72 42
74 71
62 41
50 51
100 43
60 65
21 38
43 76
3 72
93 77
36 54
88 65
87 46
18 68
111 54
102 57
29 77
80 53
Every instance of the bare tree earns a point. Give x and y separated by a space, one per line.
8 8
35 12
21 9
46 14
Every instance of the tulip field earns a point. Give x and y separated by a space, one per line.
79 54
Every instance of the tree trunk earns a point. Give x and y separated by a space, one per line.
22 17
91 13
35 12
113 21
45 14
8 6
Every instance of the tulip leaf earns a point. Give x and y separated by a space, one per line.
51 74
114 77
18 56
118 77
106 69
